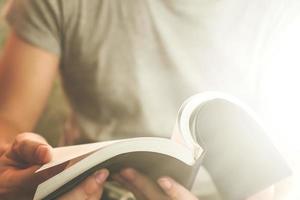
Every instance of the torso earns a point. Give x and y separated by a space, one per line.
128 65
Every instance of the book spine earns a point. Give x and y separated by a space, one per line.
195 170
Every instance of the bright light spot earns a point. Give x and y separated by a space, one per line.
281 94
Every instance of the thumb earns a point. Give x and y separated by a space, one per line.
90 188
174 190
31 148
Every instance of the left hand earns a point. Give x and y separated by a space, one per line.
145 189
18 163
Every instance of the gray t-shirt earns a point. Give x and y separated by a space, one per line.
128 65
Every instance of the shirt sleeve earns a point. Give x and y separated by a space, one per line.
37 22
241 159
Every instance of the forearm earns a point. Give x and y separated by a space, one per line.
22 96
8 131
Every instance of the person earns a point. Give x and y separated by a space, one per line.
126 67
30 150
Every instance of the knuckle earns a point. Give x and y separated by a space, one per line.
20 139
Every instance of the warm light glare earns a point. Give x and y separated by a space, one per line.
281 94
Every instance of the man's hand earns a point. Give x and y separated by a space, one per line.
145 189
91 188
18 162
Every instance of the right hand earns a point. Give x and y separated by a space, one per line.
19 161
90 189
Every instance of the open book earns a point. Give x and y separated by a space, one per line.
151 155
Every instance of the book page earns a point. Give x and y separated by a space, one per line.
122 148
185 131
63 154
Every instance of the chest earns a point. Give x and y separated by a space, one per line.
129 54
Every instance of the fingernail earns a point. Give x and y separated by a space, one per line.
101 176
165 183
128 174
42 152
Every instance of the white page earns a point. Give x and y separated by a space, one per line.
142 144
63 154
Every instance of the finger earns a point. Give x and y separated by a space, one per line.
17 181
91 188
174 190
142 183
32 149
26 179
21 177
137 194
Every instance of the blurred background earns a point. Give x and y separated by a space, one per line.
280 95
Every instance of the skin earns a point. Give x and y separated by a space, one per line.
26 77
20 160
144 188
166 188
